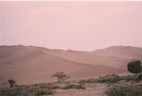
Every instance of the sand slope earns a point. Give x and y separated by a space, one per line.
29 64
126 52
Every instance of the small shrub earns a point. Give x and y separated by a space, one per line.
87 81
48 86
128 77
41 92
108 79
28 90
127 90
135 78
74 86
82 81
14 92
138 78
11 82
115 91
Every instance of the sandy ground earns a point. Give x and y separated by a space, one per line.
30 65
91 90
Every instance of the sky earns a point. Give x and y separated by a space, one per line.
82 25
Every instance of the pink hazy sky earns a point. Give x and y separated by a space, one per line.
71 25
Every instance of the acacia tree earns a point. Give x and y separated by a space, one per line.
135 66
61 76
11 82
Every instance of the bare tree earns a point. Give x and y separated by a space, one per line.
61 76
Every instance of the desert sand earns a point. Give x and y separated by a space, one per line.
30 64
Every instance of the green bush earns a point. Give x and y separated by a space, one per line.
134 66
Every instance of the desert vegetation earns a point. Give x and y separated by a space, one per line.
115 85
74 86
29 90
135 67
61 76
124 90
128 89
11 82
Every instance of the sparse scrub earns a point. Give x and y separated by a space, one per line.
108 79
74 86
31 90
128 77
138 78
48 86
42 92
14 92
115 91
87 81
127 90
131 89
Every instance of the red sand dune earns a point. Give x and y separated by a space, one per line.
126 52
29 64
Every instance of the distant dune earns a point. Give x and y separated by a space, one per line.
30 64
124 52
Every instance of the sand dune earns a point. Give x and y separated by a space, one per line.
29 64
125 52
